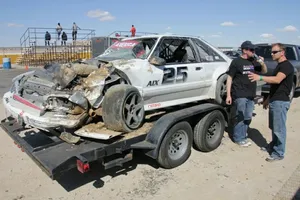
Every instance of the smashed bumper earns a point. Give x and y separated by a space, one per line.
34 120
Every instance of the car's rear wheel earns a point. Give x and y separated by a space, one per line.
221 91
123 108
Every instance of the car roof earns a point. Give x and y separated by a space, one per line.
269 44
159 36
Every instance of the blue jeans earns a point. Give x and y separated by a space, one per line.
277 123
243 115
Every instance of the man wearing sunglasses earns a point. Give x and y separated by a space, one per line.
241 91
278 101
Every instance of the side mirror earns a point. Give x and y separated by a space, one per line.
157 61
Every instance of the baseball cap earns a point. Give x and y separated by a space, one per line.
247 45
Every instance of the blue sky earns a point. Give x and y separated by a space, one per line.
222 23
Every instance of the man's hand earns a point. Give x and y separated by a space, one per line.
253 77
261 59
266 104
228 100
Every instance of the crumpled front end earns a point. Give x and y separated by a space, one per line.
34 116
59 95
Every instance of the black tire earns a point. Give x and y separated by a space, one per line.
221 90
115 108
170 156
209 131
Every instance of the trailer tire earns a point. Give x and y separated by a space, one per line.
209 131
176 146
118 106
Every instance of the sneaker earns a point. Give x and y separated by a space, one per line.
244 143
266 149
273 158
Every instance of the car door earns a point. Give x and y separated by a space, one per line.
181 77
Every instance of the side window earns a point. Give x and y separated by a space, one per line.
190 54
205 56
206 53
290 53
175 50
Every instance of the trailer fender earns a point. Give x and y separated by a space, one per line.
157 133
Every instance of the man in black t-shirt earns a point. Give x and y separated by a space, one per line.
241 91
278 101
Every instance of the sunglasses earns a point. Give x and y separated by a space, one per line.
252 50
274 52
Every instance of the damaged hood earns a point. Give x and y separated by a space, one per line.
81 82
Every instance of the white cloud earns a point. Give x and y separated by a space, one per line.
168 28
215 36
14 25
101 15
267 35
228 24
289 28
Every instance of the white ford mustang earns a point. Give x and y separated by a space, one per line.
131 77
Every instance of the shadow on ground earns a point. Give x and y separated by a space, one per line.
297 195
256 136
74 179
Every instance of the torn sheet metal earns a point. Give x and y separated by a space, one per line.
96 77
84 69
97 131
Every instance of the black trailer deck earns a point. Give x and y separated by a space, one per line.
55 156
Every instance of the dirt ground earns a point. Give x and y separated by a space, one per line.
230 172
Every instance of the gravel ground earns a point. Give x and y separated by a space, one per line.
230 172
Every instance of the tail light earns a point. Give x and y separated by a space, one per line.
83 167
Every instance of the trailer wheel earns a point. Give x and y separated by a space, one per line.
123 108
175 148
209 131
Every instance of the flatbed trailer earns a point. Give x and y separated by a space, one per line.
168 140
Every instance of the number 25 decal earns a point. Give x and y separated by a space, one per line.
177 74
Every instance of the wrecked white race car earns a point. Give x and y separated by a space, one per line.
131 77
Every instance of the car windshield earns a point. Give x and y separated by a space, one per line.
129 49
264 51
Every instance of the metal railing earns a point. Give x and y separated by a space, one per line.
55 54
35 51
36 36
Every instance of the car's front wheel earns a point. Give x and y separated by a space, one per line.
123 108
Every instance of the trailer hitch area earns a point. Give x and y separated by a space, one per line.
83 165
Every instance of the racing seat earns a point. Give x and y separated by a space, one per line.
178 55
